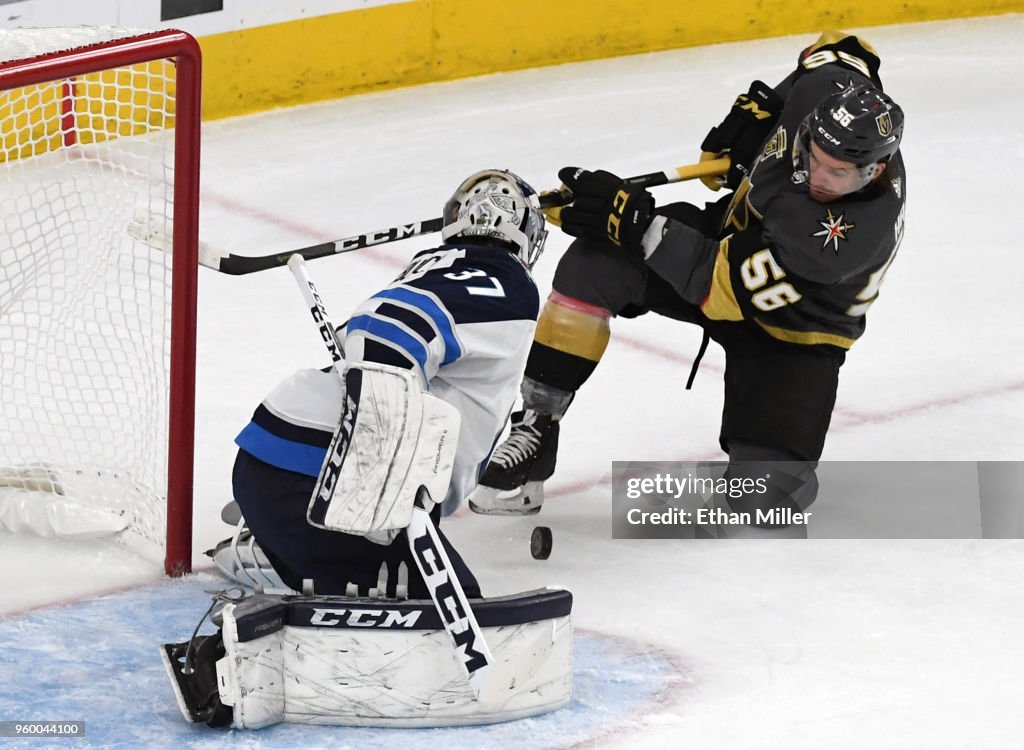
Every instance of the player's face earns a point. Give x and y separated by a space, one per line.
831 178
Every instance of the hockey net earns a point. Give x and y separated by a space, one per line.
98 127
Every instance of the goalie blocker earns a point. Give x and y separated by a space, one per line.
365 662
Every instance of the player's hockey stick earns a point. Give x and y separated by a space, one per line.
424 542
218 259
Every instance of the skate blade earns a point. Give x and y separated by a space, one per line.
170 654
522 501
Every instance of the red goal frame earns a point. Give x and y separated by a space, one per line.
184 50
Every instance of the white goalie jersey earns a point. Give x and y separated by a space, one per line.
462 317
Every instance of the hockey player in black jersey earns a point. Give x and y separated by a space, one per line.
780 273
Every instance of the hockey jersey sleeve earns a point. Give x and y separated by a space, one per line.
804 271
463 317
406 327
846 52
422 319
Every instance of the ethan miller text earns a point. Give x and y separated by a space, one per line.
771 517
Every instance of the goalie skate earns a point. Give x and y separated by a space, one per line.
240 559
192 669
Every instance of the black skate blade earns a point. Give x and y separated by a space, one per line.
172 654
196 693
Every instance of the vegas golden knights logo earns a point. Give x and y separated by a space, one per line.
884 123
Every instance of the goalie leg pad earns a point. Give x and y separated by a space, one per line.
251 674
338 660
392 439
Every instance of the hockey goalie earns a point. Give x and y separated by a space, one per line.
363 612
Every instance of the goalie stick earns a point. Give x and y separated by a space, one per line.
424 542
153 234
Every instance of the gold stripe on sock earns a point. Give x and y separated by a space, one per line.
572 331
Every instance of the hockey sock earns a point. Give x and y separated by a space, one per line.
570 339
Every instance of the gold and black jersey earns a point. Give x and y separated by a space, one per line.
805 272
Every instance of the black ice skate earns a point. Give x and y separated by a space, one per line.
192 669
513 484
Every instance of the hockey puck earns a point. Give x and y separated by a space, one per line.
540 543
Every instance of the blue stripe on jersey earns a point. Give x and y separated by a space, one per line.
393 334
316 436
277 451
452 350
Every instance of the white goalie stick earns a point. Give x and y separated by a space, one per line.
424 542
153 232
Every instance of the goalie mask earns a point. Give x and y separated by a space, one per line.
497 204
860 125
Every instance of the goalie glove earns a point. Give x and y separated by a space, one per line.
392 439
741 134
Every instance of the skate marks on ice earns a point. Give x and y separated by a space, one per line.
97 661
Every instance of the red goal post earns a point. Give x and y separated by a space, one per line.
97 331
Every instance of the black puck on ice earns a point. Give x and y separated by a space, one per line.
540 543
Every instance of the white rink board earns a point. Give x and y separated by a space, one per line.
145 14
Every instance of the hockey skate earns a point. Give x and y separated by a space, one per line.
513 484
240 559
192 669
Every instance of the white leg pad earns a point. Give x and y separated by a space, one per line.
369 663
250 676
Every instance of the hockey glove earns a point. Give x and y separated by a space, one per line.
741 134
605 207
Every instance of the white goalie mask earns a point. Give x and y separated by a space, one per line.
497 204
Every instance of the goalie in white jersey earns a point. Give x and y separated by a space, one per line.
326 476
460 318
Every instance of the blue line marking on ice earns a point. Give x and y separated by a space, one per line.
98 661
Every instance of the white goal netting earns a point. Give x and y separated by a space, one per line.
85 308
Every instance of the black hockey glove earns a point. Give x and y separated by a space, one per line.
604 207
741 133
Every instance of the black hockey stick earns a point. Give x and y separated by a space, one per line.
424 542
226 262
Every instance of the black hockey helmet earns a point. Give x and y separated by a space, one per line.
859 124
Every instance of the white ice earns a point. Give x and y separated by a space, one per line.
817 644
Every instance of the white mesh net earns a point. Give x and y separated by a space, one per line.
84 307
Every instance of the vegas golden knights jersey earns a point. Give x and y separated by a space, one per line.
805 272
